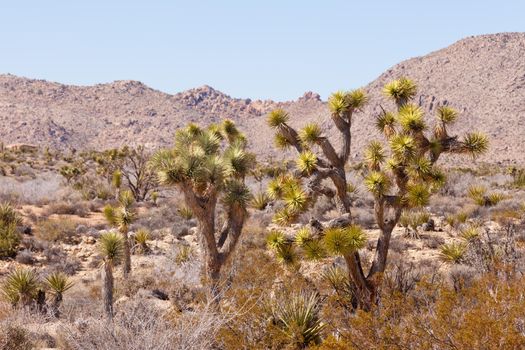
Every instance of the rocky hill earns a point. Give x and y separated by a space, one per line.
483 77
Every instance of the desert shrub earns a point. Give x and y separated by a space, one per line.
68 208
15 337
25 257
411 220
138 325
54 230
141 238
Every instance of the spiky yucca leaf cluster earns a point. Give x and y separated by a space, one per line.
111 246
378 183
277 118
344 241
9 236
310 134
453 253
20 286
343 102
58 283
307 162
401 90
297 316
288 189
123 215
480 196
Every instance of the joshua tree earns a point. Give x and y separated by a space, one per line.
311 165
140 178
405 180
209 166
121 217
58 283
111 248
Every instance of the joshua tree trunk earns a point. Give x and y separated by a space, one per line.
126 266
107 290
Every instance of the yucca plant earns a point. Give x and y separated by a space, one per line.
20 288
400 173
111 247
57 283
116 181
411 220
297 316
453 253
122 217
209 166
470 233
480 196
260 201
141 238
185 212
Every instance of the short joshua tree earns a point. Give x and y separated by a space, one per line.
122 217
111 247
401 178
209 166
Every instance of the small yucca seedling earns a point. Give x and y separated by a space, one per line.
453 253
20 287
185 212
260 201
8 215
298 318
142 236
470 233
184 254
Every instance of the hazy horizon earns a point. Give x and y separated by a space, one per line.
267 50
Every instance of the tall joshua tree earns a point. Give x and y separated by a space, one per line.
111 247
209 165
315 167
122 217
403 177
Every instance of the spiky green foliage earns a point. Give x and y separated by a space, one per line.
20 287
260 201
124 215
8 215
344 241
338 103
403 147
297 316
310 134
307 162
418 195
185 212
111 246
374 154
277 117
422 169
236 193
411 119
480 196
281 142
58 283
400 90
116 179
385 123
453 253
357 99
470 233
446 114
475 144
9 241
378 183
142 236
275 239
285 216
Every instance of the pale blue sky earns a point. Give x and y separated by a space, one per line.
257 49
